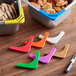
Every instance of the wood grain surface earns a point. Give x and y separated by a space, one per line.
56 66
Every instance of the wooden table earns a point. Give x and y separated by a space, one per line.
56 66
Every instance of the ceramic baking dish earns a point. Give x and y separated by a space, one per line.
50 20
12 26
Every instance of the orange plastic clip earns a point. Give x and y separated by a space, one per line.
41 43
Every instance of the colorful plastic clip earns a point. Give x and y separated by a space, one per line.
44 59
25 48
63 53
41 43
53 40
32 65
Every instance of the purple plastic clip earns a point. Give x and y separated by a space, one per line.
44 59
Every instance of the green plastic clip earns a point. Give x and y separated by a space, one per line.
32 65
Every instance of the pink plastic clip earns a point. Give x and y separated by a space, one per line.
45 59
25 48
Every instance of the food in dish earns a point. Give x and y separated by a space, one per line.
50 6
7 12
